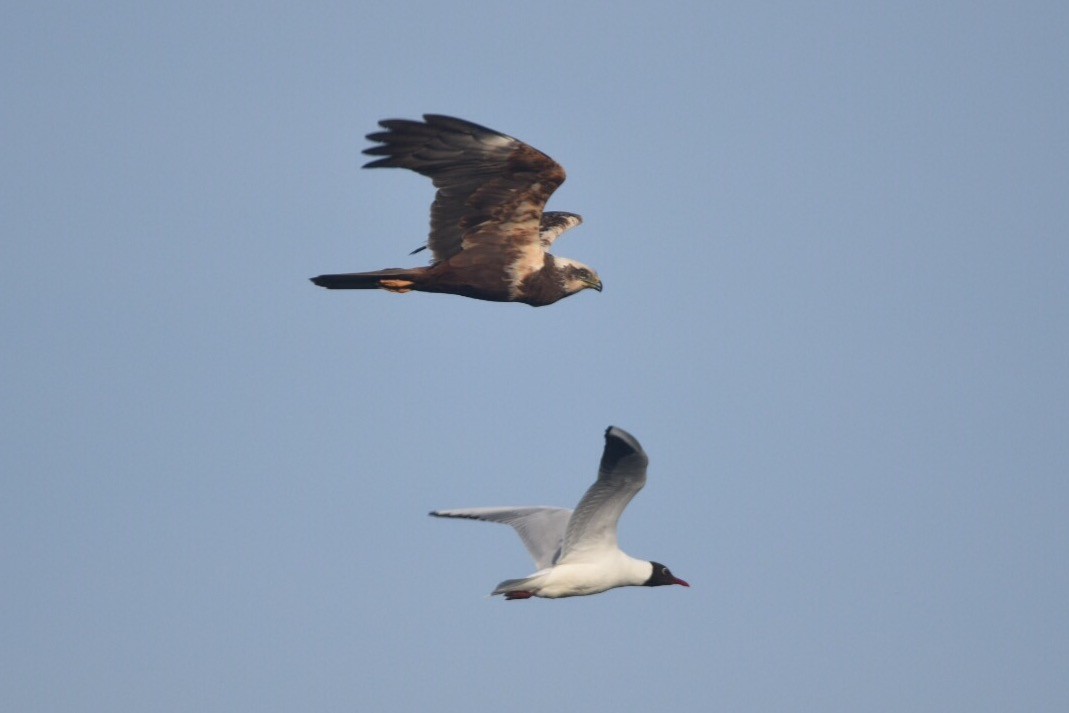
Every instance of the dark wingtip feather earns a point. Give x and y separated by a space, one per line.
452 516
619 444
394 124
380 137
456 124
380 163
380 150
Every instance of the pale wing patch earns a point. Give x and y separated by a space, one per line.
529 258
499 140
529 261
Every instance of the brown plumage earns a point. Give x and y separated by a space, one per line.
489 232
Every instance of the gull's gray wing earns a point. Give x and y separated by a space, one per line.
540 528
592 527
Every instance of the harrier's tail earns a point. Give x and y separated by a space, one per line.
396 279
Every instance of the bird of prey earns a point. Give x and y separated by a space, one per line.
489 231
576 551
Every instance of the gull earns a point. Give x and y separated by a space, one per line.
576 552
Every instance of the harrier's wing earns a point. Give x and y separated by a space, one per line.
592 528
554 222
492 188
540 528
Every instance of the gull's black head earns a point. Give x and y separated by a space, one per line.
662 576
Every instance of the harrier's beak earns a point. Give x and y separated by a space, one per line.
594 284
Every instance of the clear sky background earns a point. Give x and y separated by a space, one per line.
835 245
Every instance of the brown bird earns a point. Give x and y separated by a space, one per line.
489 230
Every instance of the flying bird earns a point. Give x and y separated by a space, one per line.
576 551
489 232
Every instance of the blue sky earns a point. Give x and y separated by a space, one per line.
836 315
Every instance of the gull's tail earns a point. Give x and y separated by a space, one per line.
520 588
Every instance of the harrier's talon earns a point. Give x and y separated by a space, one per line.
398 286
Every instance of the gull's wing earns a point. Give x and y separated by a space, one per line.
592 528
540 528
492 188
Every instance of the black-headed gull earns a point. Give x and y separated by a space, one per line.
576 552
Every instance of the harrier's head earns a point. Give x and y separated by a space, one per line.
576 276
